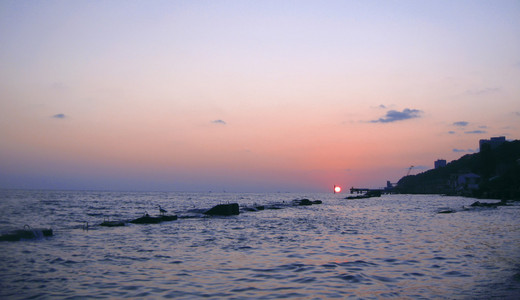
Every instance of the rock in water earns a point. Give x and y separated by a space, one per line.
223 210
25 234
146 219
303 202
168 217
112 223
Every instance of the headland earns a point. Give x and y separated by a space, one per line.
492 173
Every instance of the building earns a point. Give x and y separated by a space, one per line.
493 142
439 163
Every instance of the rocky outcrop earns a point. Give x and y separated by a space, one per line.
223 210
26 234
488 204
496 172
369 194
147 219
306 202
112 223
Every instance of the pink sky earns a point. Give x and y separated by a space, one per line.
250 96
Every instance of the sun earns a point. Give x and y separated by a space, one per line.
337 189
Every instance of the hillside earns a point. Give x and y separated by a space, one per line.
491 173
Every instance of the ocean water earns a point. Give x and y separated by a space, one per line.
395 246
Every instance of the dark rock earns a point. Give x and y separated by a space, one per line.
112 223
369 194
487 204
273 207
302 202
357 197
446 211
374 193
168 217
317 202
223 210
26 233
146 219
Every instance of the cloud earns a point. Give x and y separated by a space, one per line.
221 122
59 116
421 168
394 115
463 150
475 132
517 113
460 123
484 91
451 132
380 106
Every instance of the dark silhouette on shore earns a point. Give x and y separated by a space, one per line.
493 173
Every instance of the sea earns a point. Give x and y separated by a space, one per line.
393 246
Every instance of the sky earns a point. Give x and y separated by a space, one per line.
250 96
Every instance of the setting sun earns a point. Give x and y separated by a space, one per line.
337 189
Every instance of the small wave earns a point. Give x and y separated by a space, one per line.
357 263
353 278
305 280
350 231
439 258
414 274
330 265
383 279
246 289
456 274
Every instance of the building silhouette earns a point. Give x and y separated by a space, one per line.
439 163
493 142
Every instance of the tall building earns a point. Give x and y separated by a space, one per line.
493 142
439 163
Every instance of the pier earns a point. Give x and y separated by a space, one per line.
387 190
354 190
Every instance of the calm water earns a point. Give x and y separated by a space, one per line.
396 246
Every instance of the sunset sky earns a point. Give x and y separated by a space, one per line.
250 95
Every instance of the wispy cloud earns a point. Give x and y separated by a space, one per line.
380 106
460 123
464 150
451 132
394 115
475 132
59 116
417 168
484 91
221 122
